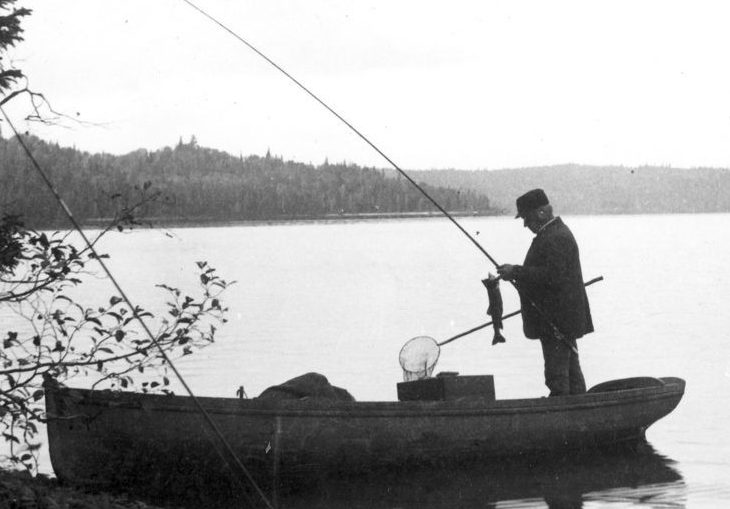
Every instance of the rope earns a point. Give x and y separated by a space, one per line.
123 295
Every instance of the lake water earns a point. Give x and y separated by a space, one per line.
341 299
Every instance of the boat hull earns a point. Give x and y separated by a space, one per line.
111 438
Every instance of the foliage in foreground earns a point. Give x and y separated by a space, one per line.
10 35
56 335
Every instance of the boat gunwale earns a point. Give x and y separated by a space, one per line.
372 409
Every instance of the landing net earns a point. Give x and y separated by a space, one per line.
418 357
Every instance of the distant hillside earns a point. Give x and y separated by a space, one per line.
575 189
206 185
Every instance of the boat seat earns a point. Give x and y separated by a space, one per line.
638 382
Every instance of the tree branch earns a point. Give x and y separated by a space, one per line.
73 364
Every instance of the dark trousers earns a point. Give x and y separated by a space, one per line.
562 367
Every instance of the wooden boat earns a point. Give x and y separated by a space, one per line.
117 438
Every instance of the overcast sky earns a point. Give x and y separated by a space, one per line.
482 84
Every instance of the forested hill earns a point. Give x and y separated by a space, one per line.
575 189
205 185
201 185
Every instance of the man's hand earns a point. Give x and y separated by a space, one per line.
507 271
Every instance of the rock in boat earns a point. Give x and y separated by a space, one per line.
161 442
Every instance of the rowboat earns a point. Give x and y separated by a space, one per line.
106 438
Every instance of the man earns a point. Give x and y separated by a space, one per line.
554 302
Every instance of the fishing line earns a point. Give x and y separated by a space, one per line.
123 295
543 315
348 124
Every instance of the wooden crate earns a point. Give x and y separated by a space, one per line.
447 388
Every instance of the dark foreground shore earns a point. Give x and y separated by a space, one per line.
19 490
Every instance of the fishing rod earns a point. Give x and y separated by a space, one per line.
558 334
348 124
229 457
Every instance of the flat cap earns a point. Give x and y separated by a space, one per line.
531 200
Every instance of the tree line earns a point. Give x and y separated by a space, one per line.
200 184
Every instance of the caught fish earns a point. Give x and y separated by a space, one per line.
496 308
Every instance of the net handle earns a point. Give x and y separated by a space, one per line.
438 345
504 317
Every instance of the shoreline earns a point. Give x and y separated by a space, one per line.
18 488
167 222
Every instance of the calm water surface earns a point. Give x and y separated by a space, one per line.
341 298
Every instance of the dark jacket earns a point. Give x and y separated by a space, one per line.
552 278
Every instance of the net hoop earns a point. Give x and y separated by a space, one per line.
418 358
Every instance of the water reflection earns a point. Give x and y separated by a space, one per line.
628 475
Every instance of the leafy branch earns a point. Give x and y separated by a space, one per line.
55 336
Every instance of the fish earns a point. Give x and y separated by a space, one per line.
496 307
